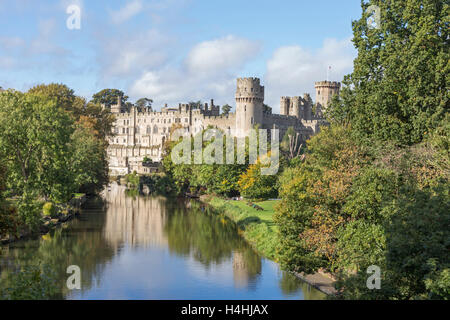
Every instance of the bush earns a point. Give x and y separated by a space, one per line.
49 209
133 179
254 185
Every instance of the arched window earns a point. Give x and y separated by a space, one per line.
149 130
155 129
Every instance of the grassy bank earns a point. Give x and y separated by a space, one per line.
256 226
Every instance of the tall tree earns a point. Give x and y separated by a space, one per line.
35 139
144 104
108 97
399 87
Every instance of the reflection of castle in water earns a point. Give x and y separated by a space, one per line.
155 221
246 268
134 221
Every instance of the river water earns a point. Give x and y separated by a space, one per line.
130 246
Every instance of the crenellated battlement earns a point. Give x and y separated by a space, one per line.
141 132
328 84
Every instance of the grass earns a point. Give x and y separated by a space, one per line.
257 227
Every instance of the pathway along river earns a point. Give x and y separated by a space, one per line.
139 247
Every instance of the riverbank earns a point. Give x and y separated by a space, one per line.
62 214
258 228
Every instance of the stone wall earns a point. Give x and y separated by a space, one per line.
142 134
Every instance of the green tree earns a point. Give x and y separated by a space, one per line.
196 104
35 139
144 104
399 87
108 97
89 165
226 109
63 95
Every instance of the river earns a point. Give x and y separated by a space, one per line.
130 246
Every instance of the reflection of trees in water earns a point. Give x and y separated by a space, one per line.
290 285
82 244
186 227
210 239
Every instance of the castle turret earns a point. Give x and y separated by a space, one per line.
249 104
325 90
284 105
296 101
307 108
117 108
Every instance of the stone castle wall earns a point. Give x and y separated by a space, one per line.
137 135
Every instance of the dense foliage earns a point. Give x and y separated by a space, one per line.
221 179
398 90
374 187
52 145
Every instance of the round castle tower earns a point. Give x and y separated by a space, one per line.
325 90
249 104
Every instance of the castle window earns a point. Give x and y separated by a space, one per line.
245 108
252 121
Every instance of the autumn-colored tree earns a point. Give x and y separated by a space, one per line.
254 185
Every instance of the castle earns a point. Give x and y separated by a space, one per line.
141 134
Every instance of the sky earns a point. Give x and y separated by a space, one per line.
177 51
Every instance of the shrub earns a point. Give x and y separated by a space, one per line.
49 209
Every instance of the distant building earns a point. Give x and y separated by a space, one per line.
138 134
325 90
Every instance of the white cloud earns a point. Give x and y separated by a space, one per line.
130 10
129 55
208 71
227 53
292 70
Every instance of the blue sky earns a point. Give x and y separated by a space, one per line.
177 50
